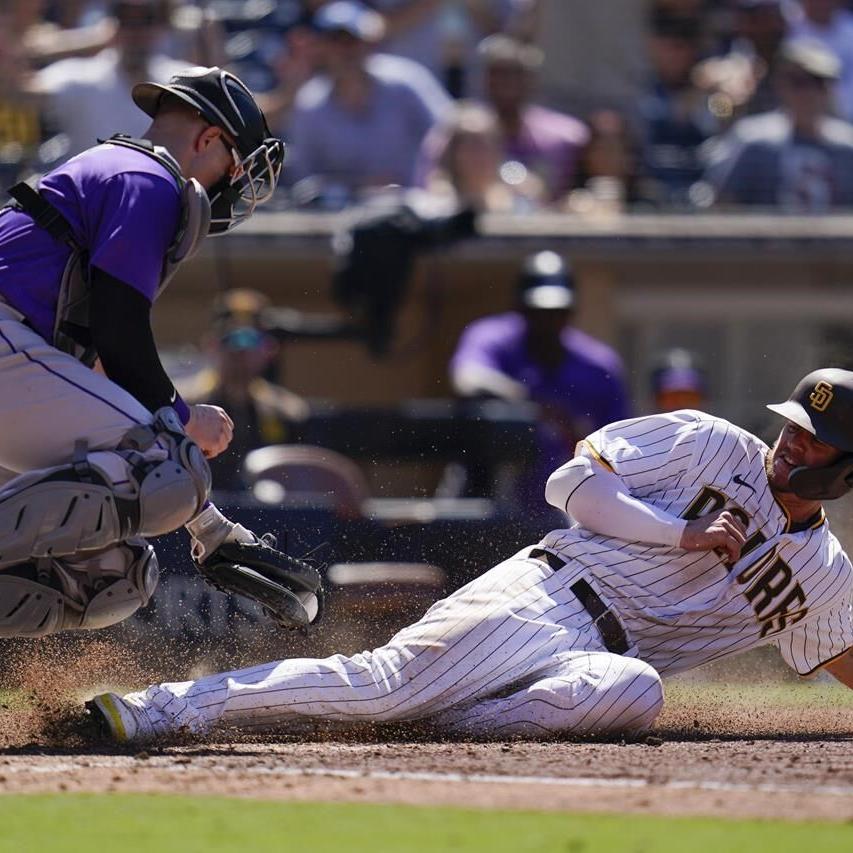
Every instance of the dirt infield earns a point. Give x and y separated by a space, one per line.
772 749
795 780
704 758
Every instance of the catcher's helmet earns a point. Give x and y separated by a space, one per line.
224 100
822 404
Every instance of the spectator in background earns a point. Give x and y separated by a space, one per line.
594 56
298 60
243 377
674 111
415 29
608 178
21 125
535 353
547 143
741 81
469 167
194 34
87 98
798 158
443 36
678 382
83 29
828 22
44 41
478 19
361 124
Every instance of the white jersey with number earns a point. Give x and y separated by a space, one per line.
792 584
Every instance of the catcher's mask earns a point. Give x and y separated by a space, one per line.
822 404
225 102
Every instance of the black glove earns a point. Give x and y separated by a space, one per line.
283 585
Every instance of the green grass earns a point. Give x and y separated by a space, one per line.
795 694
127 824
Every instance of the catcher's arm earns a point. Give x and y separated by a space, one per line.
235 560
842 668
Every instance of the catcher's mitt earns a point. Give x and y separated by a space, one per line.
289 590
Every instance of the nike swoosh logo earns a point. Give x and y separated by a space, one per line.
741 482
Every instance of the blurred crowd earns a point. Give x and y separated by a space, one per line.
504 105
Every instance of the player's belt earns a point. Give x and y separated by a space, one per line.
610 628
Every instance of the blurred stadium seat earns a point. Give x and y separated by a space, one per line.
287 473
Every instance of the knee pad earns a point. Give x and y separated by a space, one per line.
153 483
172 491
43 597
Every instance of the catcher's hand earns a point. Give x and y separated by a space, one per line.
289 590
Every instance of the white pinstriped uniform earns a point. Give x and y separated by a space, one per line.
684 609
514 652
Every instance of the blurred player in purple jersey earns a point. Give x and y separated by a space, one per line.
94 461
535 353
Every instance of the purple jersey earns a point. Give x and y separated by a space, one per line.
587 386
583 393
123 207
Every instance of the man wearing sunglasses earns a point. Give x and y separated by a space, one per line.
97 460
798 158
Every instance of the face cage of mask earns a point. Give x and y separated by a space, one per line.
233 200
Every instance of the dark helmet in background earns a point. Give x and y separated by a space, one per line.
545 283
822 404
224 101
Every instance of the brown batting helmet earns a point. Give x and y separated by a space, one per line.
822 404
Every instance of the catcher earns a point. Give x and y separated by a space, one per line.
95 460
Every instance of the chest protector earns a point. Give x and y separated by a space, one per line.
71 332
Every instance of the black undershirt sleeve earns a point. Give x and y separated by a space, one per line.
120 324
